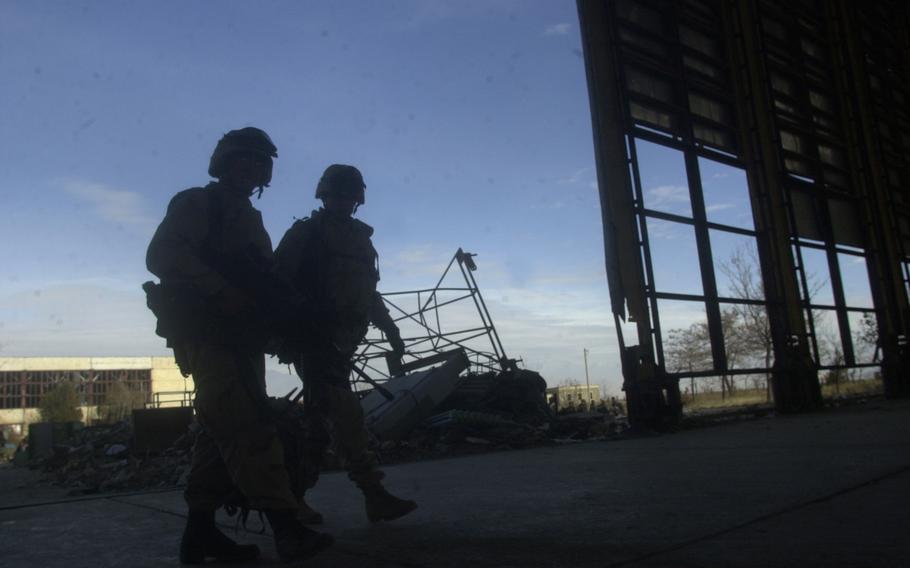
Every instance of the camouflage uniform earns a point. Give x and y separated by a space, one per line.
332 261
238 446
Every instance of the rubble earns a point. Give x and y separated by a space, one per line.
98 459
452 397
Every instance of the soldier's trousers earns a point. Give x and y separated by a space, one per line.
238 446
334 404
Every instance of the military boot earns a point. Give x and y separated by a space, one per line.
306 514
202 539
293 540
383 506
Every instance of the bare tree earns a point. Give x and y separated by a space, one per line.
749 326
866 337
746 328
751 330
687 350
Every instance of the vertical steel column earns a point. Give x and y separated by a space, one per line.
882 231
794 378
653 401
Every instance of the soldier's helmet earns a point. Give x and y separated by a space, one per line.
342 181
243 141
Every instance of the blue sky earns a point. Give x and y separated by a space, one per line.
469 120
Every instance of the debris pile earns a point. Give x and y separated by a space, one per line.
481 413
426 414
98 459
458 393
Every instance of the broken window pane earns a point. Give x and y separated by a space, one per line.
781 84
845 222
792 142
684 333
629 331
818 276
820 101
773 28
855 278
784 106
726 194
736 266
643 16
652 116
807 225
831 156
674 257
700 66
811 49
640 42
648 85
697 41
664 184
709 108
712 136
800 167
823 121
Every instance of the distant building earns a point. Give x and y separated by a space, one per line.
574 397
24 380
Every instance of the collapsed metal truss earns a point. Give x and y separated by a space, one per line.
426 332
809 100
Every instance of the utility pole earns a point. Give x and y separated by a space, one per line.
587 380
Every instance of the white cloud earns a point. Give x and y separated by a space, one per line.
78 319
561 28
417 254
576 176
413 266
574 279
428 13
719 207
664 195
659 229
116 205
548 205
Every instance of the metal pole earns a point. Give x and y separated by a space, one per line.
587 380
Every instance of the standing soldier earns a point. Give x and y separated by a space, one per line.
331 260
213 255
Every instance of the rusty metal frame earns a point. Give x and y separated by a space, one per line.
422 307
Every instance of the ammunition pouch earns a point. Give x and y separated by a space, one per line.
184 315
180 311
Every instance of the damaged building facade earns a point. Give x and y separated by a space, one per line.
25 380
754 169
570 397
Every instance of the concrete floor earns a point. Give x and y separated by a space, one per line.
828 489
